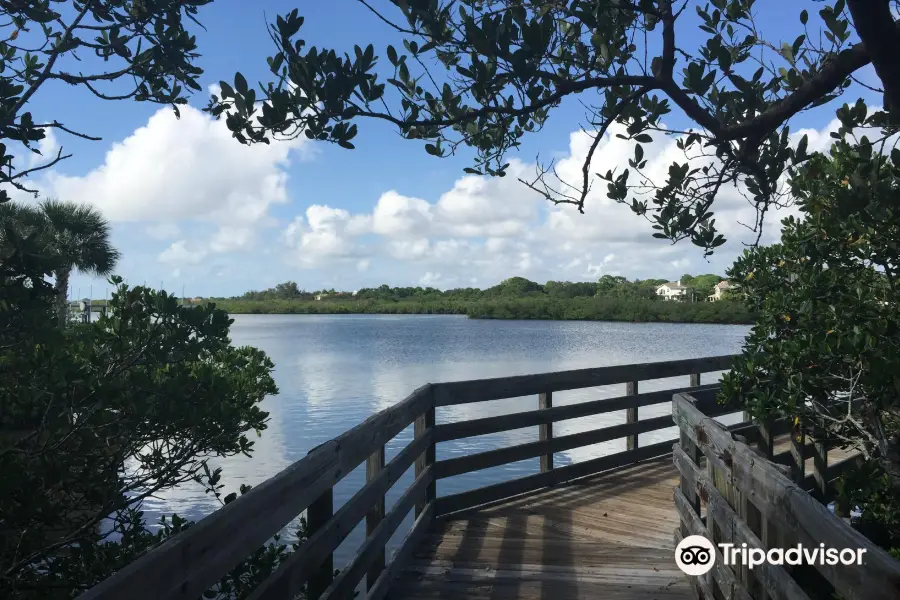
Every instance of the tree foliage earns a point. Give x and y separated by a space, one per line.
826 347
486 73
97 417
115 50
613 298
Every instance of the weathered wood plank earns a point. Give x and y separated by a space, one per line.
774 578
530 418
290 576
795 512
724 577
545 431
318 515
401 558
559 475
425 427
346 581
631 415
374 466
189 563
479 390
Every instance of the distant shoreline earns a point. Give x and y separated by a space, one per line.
524 309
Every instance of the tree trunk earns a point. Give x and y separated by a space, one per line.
62 296
875 26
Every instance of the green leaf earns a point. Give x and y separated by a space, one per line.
644 138
801 147
240 84
804 16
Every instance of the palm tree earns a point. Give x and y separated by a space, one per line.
76 236
79 235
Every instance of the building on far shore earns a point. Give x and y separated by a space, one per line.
673 290
720 289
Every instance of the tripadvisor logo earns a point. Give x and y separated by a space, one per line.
695 555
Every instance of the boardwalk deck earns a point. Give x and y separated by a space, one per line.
607 536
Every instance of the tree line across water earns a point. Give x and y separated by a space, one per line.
612 298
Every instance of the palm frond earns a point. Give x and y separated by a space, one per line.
81 235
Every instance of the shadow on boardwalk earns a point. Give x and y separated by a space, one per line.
608 536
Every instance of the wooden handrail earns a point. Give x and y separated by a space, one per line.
784 509
546 414
499 388
348 578
189 563
529 418
288 579
502 456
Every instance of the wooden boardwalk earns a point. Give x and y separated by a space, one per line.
602 528
607 536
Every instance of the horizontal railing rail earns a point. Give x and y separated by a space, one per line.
195 560
499 388
751 499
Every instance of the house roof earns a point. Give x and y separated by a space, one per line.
724 285
674 285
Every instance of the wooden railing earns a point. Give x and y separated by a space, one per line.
732 493
195 560
544 414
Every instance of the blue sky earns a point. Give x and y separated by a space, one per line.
195 210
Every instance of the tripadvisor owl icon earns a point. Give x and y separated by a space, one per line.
695 555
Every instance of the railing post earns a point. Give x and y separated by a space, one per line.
545 431
695 379
798 454
766 441
820 469
424 424
374 465
317 515
631 415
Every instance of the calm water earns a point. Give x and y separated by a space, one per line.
334 371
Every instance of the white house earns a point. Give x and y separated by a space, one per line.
673 290
720 289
